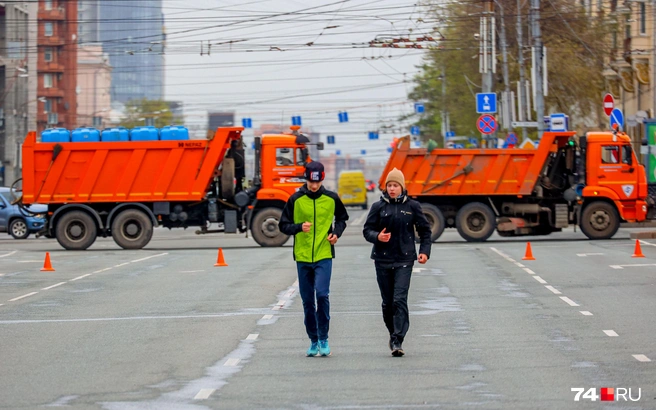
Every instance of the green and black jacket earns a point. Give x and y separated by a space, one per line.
319 208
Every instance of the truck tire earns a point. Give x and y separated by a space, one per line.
476 222
599 220
228 179
76 230
132 229
265 228
18 229
435 219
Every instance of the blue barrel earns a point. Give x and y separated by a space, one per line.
56 135
118 134
85 135
174 132
144 134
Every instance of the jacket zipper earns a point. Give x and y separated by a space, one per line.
314 234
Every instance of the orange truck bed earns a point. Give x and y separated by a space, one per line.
87 172
484 172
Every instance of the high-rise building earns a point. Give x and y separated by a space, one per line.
17 83
57 64
132 35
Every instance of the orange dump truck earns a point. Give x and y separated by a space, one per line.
594 181
124 189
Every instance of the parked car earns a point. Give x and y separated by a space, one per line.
371 185
15 221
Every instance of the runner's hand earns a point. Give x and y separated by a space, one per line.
422 258
307 226
332 238
384 236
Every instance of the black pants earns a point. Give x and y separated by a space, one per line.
394 284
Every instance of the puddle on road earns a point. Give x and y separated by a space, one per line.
512 289
432 306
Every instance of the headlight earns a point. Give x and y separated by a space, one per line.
40 216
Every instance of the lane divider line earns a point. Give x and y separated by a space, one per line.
8 254
539 279
641 358
80 277
554 290
530 272
611 333
252 336
24 296
54 286
204 394
149 257
232 362
569 301
267 317
586 313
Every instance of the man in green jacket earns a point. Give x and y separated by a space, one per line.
308 215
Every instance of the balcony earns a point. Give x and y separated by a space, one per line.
51 92
50 67
57 14
51 41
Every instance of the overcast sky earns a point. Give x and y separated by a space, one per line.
269 72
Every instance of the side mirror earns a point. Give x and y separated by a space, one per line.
320 146
644 142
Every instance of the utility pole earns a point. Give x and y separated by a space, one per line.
487 61
507 101
521 90
537 66
445 115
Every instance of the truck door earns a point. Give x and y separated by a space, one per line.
289 169
617 171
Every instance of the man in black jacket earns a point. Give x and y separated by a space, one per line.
390 226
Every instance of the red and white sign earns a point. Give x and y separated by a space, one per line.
609 104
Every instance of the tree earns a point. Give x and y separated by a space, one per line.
137 111
576 43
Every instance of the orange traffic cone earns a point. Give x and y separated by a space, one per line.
47 266
529 253
637 253
220 261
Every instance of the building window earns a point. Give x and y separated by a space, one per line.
47 55
48 4
48 29
47 106
643 19
627 33
47 81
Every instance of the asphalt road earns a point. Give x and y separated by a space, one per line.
162 328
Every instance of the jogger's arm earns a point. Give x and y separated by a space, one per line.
370 229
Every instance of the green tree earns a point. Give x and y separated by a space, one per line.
137 111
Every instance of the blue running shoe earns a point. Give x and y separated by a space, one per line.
324 349
313 350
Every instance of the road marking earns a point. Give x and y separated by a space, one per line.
122 264
641 358
647 243
204 394
611 333
583 255
554 290
232 362
102 270
569 301
418 270
267 317
539 279
29 261
149 257
24 296
252 336
8 254
295 284
586 313
80 277
192 271
511 260
519 264
527 270
1 304
634 265
280 305
54 286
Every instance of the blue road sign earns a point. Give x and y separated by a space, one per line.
338 152
415 130
419 108
343 116
363 152
616 117
512 138
296 120
486 124
486 103
247 122
473 141
450 134
458 146
547 123
558 122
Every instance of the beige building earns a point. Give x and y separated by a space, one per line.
93 87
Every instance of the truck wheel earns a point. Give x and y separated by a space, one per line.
228 179
132 229
599 220
265 228
476 222
76 230
18 229
435 220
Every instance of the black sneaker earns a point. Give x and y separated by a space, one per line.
397 350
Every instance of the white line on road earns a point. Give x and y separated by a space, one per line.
519 264
252 336
232 362
24 296
539 279
569 301
611 333
192 271
29 261
647 243
634 265
280 305
583 255
8 254
121 264
554 290
54 286
204 394
586 313
80 277
641 358
527 270
267 317
149 257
